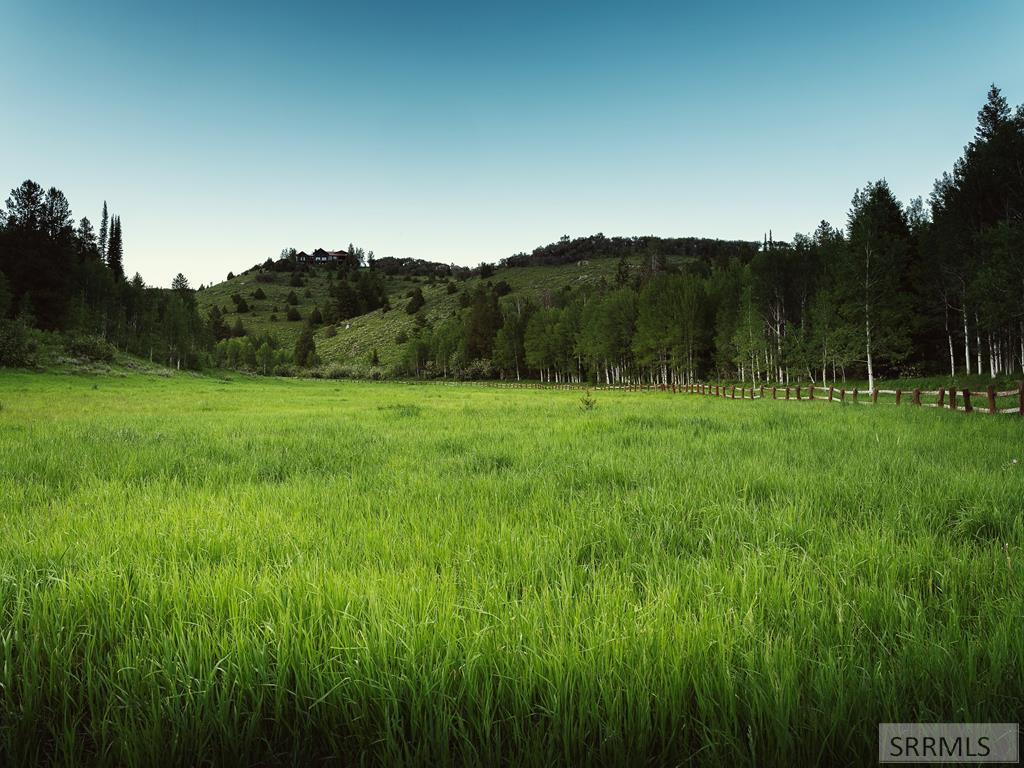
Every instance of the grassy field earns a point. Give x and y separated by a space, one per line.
197 570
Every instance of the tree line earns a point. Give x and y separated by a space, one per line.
62 276
900 290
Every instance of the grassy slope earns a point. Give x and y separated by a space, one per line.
357 338
255 571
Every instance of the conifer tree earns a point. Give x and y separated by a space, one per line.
104 225
115 249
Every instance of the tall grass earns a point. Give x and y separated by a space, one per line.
195 571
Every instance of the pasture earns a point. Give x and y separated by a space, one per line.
197 570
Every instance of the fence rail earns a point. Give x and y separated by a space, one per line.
963 399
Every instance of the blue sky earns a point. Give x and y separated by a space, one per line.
464 132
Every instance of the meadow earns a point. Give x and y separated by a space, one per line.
230 571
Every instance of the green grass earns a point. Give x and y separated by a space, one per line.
205 571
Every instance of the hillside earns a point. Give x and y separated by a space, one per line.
352 342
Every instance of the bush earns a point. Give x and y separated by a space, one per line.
295 281
330 331
401 337
259 294
336 371
89 346
266 277
292 298
451 288
16 345
307 294
416 302
293 314
284 370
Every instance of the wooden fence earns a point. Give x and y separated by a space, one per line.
956 399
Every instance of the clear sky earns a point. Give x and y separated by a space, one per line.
464 132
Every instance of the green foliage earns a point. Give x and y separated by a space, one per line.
416 301
5 296
305 348
16 344
293 314
90 347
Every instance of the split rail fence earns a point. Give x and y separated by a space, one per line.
964 400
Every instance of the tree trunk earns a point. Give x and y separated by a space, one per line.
967 342
867 317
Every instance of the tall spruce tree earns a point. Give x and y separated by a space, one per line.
104 224
115 249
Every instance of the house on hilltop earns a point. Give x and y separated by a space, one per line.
320 256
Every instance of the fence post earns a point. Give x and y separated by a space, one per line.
732 392
899 396
855 393
762 391
917 397
952 399
1020 397
874 396
942 397
811 396
991 392
773 393
968 408
787 393
830 394
842 395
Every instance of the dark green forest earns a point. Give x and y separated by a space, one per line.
900 291
931 286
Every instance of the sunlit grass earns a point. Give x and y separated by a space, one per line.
276 571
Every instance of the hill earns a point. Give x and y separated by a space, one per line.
352 342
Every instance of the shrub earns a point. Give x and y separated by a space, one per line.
451 288
330 331
293 314
295 281
259 294
89 346
284 370
416 302
307 294
16 345
401 337
292 298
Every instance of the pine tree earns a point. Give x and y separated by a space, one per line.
104 224
305 348
115 249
